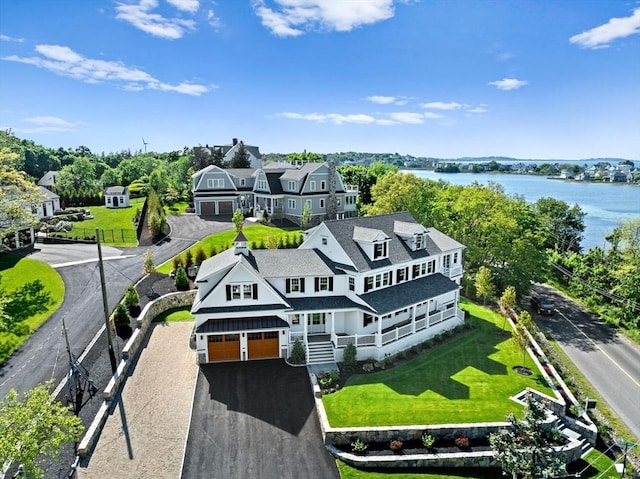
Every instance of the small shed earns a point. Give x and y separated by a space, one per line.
116 197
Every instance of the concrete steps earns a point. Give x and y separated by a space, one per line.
320 352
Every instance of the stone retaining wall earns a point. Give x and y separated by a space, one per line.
129 352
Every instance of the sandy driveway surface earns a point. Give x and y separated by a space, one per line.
145 434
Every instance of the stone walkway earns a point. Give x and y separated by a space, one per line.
146 432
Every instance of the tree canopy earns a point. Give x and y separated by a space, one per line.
34 427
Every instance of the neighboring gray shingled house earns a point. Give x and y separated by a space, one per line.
280 191
383 283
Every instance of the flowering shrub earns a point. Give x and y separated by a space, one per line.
395 445
462 442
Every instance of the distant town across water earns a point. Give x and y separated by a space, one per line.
607 204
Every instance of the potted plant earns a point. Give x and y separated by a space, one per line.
122 321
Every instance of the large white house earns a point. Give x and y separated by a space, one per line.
383 283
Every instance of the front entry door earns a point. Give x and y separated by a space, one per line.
316 323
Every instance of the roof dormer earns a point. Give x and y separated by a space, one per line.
375 243
413 234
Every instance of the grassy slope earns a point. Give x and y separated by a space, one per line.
174 315
18 274
220 241
467 379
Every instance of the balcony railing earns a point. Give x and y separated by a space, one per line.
452 272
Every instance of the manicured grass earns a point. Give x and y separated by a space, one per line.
348 472
175 315
467 379
116 224
255 233
176 208
34 290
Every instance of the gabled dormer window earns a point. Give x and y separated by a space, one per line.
291 185
381 250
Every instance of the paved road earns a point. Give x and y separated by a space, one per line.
43 356
609 361
255 419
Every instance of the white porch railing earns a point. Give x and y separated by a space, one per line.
452 272
398 333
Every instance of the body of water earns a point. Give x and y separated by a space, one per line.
606 204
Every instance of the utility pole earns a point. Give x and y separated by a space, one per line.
105 304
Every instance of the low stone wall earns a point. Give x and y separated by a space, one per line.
342 436
129 352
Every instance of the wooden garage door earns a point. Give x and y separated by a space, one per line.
224 347
225 208
208 208
264 345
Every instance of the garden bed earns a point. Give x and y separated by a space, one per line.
416 447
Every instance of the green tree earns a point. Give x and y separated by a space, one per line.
484 284
521 340
240 158
201 256
77 181
181 280
148 263
525 449
34 427
121 315
307 215
18 197
563 225
507 302
238 220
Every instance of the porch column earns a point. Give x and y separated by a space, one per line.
379 337
413 319
333 323
304 316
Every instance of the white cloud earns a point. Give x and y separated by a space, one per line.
387 100
7 38
478 109
296 17
139 15
407 117
509 83
431 115
64 61
602 36
440 105
190 6
381 100
49 121
213 20
336 118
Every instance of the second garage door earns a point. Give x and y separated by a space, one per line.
224 347
264 345
225 208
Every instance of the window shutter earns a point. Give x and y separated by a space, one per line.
228 292
330 283
255 290
317 284
288 285
302 285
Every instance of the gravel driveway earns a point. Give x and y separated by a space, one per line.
145 434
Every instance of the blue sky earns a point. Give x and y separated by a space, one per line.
443 78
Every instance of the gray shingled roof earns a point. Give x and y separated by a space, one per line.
115 190
408 229
300 173
217 263
273 178
242 324
47 193
320 303
291 263
402 295
399 252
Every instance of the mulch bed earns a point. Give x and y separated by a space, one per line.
416 447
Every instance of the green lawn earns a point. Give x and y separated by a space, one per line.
594 465
467 379
255 233
175 315
34 290
115 223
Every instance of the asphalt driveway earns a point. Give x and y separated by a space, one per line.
255 420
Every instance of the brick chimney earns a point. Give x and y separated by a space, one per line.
234 141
